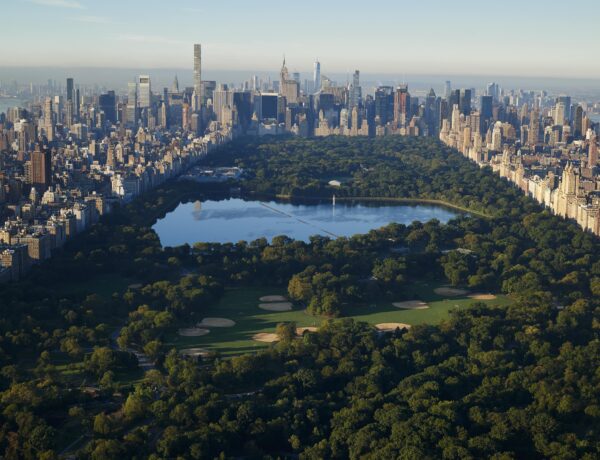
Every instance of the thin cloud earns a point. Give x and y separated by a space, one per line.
156 39
73 4
93 19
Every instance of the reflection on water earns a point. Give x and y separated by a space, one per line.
197 209
233 220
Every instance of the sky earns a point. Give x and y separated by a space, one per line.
437 37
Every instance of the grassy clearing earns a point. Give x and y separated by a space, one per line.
241 306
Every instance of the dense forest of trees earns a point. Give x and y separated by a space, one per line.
491 382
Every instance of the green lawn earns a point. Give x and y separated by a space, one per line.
241 305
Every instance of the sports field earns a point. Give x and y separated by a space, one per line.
420 304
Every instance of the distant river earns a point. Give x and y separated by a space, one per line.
7 102
232 220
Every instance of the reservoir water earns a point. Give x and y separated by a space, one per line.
232 220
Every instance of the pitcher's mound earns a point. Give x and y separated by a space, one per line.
193 332
302 330
391 327
482 297
273 298
281 306
216 322
265 337
193 352
450 292
411 305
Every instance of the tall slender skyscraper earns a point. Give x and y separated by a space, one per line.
48 121
355 90
317 76
70 107
197 76
69 89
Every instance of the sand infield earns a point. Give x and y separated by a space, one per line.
411 305
273 298
216 322
194 352
482 297
265 337
391 327
193 332
450 292
278 306
302 330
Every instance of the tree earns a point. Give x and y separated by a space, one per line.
102 424
286 331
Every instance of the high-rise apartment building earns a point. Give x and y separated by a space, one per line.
41 168
48 120
593 153
199 96
70 106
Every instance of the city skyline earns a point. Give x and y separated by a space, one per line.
434 38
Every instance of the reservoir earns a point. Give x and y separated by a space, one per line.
233 220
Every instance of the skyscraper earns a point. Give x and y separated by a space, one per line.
41 168
465 102
384 104
566 101
493 90
290 89
197 76
107 103
222 98
317 76
48 121
593 153
559 115
144 92
448 89
486 109
355 90
69 89
70 108
401 105
132 103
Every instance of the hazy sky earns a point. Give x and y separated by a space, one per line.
510 37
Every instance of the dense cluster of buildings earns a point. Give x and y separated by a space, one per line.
68 159
548 147
71 155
